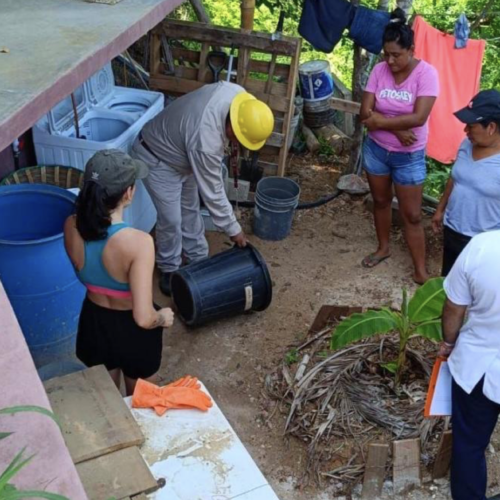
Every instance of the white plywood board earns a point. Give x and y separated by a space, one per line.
200 457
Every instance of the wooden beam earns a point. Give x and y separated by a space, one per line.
443 457
292 86
200 11
375 471
193 56
406 468
346 106
226 37
154 53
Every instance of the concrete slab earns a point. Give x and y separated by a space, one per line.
50 47
200 457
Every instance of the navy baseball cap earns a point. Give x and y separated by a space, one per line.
484 106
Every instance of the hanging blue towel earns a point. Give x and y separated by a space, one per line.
323 21
462 32
367 28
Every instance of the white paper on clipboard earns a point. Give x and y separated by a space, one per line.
439 396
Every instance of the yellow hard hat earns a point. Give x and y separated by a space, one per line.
252 121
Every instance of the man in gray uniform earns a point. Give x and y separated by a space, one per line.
183 147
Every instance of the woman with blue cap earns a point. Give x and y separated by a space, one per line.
471 201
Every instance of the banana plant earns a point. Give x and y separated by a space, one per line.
419 316
7 490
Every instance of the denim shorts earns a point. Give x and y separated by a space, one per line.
406 169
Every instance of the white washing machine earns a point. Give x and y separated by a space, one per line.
109 117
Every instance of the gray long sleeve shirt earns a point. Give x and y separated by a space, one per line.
190 136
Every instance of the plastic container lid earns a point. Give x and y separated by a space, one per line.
314 66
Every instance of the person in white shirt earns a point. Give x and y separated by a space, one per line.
184 146
472 346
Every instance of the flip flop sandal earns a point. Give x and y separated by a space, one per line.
371 261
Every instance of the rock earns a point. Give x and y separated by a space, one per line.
353 184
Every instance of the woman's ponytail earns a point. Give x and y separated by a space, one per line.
93 211
399 31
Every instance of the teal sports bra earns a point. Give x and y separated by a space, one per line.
94 275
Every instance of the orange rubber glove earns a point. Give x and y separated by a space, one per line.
186 381
148 395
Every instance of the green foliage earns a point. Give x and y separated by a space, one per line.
390 367
437 177
325 148
7 490
418 317
292 356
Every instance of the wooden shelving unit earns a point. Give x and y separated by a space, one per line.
265 67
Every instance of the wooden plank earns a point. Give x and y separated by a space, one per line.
93 416
328 315
200 11
292 84
193 56
203 67
342 92
375 471
346 106
181 86
198 32
406 468
443 457
120 474
154 53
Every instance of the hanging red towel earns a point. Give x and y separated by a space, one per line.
459 75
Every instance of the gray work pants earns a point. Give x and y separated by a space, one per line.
179 228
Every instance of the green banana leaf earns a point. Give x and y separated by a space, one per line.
428 301
4 435
18 462
430 330
362 325
18 495
29 408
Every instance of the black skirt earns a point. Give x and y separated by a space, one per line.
113 339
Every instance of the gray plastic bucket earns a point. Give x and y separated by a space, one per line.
276 199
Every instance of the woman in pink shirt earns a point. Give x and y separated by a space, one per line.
395 109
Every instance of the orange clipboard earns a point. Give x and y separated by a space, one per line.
440 387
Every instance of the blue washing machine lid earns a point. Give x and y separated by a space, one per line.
91 93
100 85
62 117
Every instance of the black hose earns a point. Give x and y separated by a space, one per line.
301 206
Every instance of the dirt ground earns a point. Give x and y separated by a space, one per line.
319 263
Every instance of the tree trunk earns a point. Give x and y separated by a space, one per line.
361 62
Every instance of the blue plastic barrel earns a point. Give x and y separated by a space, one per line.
35 270
316 81
276 199
229 283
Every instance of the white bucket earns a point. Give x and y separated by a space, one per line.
316 80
